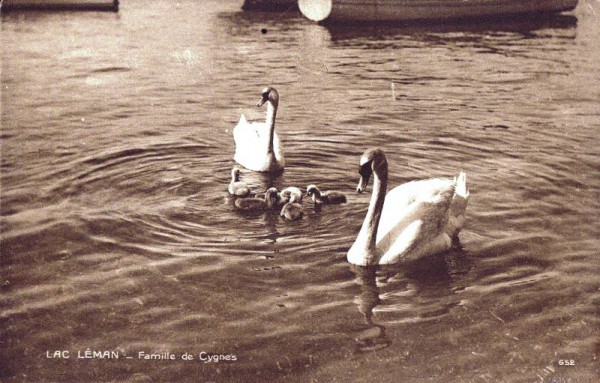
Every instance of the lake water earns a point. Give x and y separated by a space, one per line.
118 236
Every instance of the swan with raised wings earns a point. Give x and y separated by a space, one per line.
413 220
257 146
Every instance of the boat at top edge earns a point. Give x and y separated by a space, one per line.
112 5
270 5
409 10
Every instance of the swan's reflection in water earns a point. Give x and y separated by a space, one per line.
433 280
259 182
373 337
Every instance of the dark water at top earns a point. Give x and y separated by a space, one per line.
118 235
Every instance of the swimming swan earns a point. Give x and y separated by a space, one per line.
257 146
292 210
328 197
277 200
292 191
414 220
236 187
257 204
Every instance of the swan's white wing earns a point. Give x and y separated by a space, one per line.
252 142
398 242
398 200
419 190
246 134
250 139
278 150
417 228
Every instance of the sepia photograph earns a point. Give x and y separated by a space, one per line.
300 191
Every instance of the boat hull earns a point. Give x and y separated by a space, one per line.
408 10
270 5
109 5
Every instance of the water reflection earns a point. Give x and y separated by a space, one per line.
415 292
374 336
343 34
259 181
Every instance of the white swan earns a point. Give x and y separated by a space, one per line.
414 220
236 187
257 146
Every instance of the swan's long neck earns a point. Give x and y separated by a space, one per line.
270 121
368 232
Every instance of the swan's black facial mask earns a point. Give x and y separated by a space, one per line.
264 99
365 172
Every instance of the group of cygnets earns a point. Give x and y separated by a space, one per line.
413 220
289 200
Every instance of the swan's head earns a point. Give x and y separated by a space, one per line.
269 94
271 196
313 190
235 174
271 193
373 160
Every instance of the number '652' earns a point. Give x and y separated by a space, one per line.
566 362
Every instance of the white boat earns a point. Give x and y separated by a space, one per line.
112 5
409 10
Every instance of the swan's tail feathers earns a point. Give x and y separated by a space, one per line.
461 185
459 205
239 129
